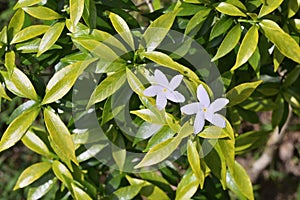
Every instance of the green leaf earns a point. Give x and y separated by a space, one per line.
278 113
277 59
194 160
119 152
63 80
230 41
43 13
213 132
240 93
229 9
39 191
239 182
20 85
145 131
107 87
292 76
196 20
164 134
34 143
18 128
32 46
62 173
3 93
149 116
134 82
25 3
254 61
60 137
188 186
122 28
91 152
293 7
90 13
20 109
128 192
268 7
79 194
50 37
220 27
31 174
76 11
16 23
247 48
158 29
10 59
228 150
29 33
283 41
3 36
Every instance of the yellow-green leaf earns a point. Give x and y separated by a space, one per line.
194 160
79 194
20 85
50 37
241 92
293 7
3 93
277 59
134 82
16 22
128 192
196 20
122 28
29 33
43 13
10 59
31 174
63 80
247 48
39 191
229 9
268 7
188 186
18 128
107 87
230 41
282 40
60 137
76 11
33 142
62 173
24 3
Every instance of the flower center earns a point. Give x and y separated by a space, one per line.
204 109
164 90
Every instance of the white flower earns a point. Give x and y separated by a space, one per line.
205 110
163 90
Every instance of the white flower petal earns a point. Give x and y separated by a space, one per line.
191 108
161 78
152 91
175 96
199 122
203 96
175 82
218 104
161 101
218 120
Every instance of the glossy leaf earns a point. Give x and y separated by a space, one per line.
39 191
197 20
62 173
229 9
277 59
60 137
213 132
188 186
76 11
79 194
50 37
107 87
293 7
91 152
10 59
145 131
134 82
241 92
31 174
43 13
33 142
3 93
220 27
230 41
158 29
149 116
29 33
128 192
283 41
3 36
18 128
20 85
268 7
32 46
247 48
25 3
194 160
122 28
63 80
16 23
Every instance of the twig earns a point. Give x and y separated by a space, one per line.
272 144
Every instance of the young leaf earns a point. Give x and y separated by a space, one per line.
107 87
283 41
18 128
230 41
188 186
122 28
31 174
157 31
25 3
20 85
43 13
247 48
33 142
10 59
229 9
76 11
268 7
29 33
196 20
62 81
50 37
60 137
194 160
240 93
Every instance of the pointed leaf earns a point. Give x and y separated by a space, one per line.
134 82
3 93
43 13
31 174
29 33
62 173
39 191
128 192
91 152
18 128
16 22
188 186
10 59
25 3
194 160
230 41
32 46
196 20
76 11
229 9
247 48
79 194
33 142
268 7
277 59
50 37
220 27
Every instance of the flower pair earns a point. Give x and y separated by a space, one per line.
204 110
